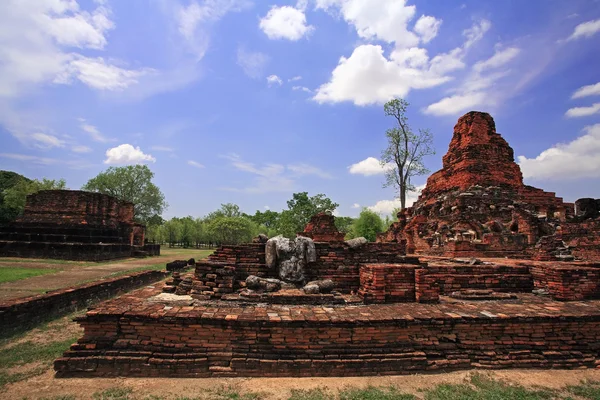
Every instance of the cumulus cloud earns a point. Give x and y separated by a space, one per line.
576 112
274 80
195 164
127 154
427 27
574 160
285 23
474 91
585 30
369 166
44 43
253 63
386 207
355 205
588 90
368 76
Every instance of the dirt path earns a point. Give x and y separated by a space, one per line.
71 274
46 385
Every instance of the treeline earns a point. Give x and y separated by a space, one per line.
228 225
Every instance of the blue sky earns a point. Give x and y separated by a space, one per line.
250 101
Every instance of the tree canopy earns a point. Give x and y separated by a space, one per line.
368 225
405 150
132 183
8 179
16 196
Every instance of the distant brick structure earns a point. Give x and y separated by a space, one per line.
75 225
321 228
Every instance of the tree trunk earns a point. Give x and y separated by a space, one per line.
402 197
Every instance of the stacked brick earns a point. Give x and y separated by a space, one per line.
583 239
321 228
216 341
341 263
387 283
213 281
568 282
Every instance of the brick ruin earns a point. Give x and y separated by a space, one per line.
430 295
478 206
75 225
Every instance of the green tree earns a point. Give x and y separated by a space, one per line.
172 232
232 230
344 224
405 151
132 183
368 224
300 209
8 179
16 196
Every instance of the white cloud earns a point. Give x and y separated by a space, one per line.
285 23
474 91
80 149
368 167
427 27
41 44
93 131
272 177
295 78
45 161
46 141
355 205
253 63
127 154
385 20
387 206
589 90
98 74
498 59
302 169
274 80
195 164
585 30
577 159
369 77
267 207
302 88
455 104
576 112
193 21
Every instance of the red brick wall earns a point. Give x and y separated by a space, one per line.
568 282
76 207
220 345
385 283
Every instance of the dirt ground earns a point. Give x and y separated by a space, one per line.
73 273
46 385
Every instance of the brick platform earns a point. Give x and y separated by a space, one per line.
132 337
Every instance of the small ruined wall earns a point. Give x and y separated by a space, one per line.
341 263
568 282
583 239
499 278
387 283
65 251
23 313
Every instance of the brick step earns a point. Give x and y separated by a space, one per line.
59 238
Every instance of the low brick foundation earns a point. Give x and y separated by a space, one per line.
131 337
19 314
387 283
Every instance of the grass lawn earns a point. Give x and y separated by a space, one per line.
11 274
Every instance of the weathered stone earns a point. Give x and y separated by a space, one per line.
357 242
262 238
263 284
323 286
311 289
290 257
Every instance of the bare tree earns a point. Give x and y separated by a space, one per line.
403 157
